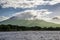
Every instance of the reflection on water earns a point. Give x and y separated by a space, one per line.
30 35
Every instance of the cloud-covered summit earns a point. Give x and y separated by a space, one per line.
47 8
33 14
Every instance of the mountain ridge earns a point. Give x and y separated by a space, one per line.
30 18
29 23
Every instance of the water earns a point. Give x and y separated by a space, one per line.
30 35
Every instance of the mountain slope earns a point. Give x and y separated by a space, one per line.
30 23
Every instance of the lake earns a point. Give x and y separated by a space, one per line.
30 35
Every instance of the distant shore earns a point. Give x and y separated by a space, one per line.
25 28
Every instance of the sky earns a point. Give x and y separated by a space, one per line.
8 8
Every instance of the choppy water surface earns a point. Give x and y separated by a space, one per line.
30 35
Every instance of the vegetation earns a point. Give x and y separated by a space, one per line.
29 23
25 28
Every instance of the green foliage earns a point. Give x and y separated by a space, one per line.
25 28
30 23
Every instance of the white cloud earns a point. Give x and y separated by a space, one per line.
35 12
2 18
26 3
18 3
38 14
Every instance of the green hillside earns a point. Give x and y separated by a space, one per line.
30 23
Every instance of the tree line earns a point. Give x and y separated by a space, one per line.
10 27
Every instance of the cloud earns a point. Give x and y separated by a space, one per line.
18 3
37 14
25 3
2 18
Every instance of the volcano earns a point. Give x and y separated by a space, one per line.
29 18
